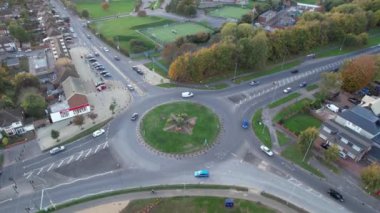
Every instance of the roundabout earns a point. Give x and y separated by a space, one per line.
180 128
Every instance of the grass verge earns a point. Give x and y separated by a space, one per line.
330 166
293 154
86 132
280 200
284 100
282 138
311 87
156 69
141 189
291 110
260 129
301 121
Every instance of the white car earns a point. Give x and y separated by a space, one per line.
266 150
287 90
106 49
98 132
56 150
187 94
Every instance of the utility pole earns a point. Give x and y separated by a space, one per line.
308 148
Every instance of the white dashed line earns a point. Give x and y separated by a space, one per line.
28 174
50 167
89 151
70 159
97 148
80 155
105 145
60 163
40 171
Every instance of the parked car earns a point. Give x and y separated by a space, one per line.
28 50
336 195
103 72
57 150
201 173
134 116
135 68
266 150
287 90
354 101
88 36
96 54
254 83
98 132
303 84
116 58
101 87
130 87
105 49
107 74
332 107
325 145
187 94
342 155
92 60
100 68
99 83
245 124
294 71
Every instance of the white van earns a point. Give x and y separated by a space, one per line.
332 107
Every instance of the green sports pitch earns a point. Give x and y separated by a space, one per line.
169 33
229 12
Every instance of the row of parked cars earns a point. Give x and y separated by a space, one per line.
95 65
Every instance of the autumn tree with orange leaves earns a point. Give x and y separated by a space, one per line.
358 73
105 5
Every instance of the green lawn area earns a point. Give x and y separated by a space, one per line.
275 69
307 1
260 129
169 33
94 7
311 87
284 100
194 204
156 68
294 108
300 122
173 140
293 154
282 138
124 30
229 12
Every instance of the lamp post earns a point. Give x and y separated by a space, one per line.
308 148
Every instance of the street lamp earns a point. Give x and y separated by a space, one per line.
308 148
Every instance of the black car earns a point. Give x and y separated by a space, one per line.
134 116
325 145
294 71
336 195
140 72
354 101
116 58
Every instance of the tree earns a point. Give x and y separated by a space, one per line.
34 105
306 138
24 79
5 141
371 177
332 153
113 106
358 73
85 14
78 120
54 134
92 116
330 82
18 32
105 5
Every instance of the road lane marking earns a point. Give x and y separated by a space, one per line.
80 155
40 171
50 167
89 151
97 148
3 201
60 163
105 145
28 174
70 159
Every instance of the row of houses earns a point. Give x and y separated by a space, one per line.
356 131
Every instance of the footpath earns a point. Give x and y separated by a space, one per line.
103 205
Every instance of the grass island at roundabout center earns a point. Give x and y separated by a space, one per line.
180 127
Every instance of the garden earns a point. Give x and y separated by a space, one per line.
180 127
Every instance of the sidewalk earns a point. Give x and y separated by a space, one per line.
250 195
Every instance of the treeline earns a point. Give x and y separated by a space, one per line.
183 7
248 48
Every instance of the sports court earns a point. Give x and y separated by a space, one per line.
229 12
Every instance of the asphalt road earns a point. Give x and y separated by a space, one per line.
143 167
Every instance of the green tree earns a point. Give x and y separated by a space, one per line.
306 138
229 32
24 79
78 120
332 153
371 177
34 105
330 82
19 33
54 134
5 141
85 14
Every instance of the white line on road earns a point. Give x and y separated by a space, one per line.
40 171
28 174
3 201
70 159
50 167
60 163
105 145
97 148
80 155
89 151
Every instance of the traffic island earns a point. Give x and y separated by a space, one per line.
180 129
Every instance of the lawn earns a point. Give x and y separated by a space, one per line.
300 122
95 9
229 12
203 133
284 100
194 204
291 109
311 87
170 32
156 69
308 2
260 129
123 30
282 138
293 154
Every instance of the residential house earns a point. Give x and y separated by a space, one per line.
76 102
11 122
7 44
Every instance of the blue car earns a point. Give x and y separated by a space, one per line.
245 124
201 173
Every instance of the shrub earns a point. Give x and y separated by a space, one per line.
138 46
141 13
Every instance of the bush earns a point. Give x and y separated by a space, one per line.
141 13
54 134
200 37
5 141
85 14
138 46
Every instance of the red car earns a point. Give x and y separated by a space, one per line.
101 87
